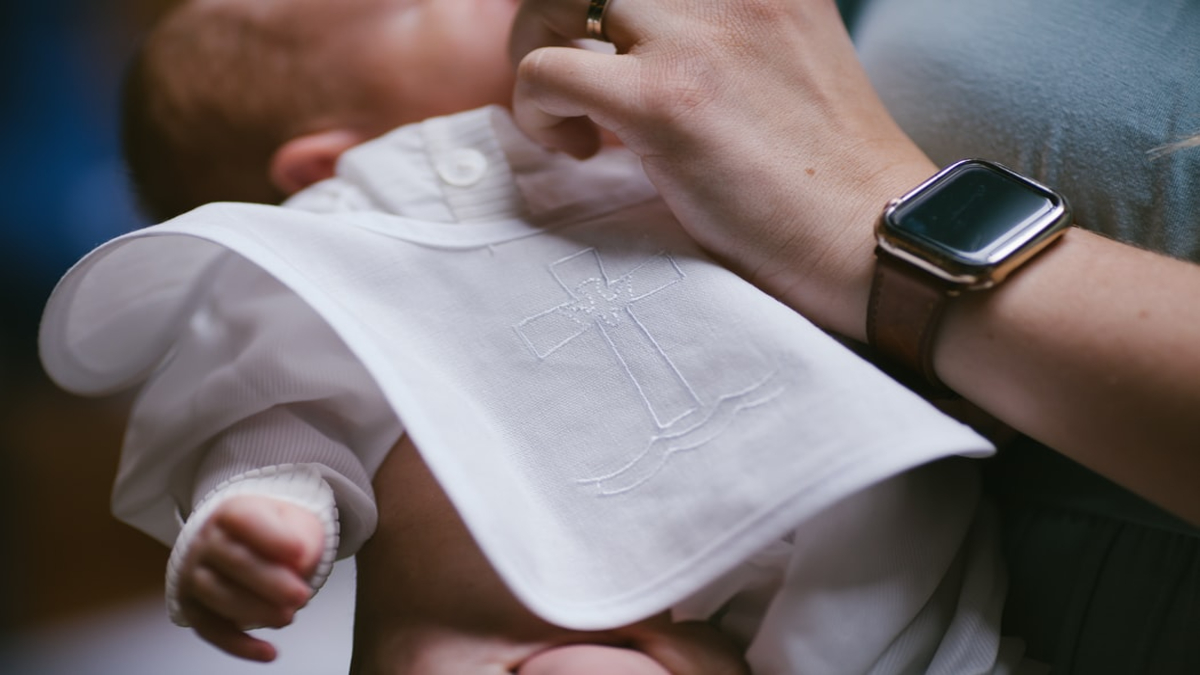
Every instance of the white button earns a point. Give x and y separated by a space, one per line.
462 167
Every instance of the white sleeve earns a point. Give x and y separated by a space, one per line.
299 484
291 434
255 378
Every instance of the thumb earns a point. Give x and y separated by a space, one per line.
562 93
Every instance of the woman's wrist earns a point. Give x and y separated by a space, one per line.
1088 349
824 268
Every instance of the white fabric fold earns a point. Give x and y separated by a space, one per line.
618 419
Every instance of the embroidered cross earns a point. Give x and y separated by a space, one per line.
606 304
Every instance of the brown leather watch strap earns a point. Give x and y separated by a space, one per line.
903 314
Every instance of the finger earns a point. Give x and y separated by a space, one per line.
273 582
279 531
243 606
575 135
542 24
224 635
546 23
556 88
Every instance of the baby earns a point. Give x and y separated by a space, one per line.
590 475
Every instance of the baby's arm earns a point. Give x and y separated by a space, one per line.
251 555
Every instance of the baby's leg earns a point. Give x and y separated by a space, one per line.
591 660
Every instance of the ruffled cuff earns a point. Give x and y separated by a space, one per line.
299 484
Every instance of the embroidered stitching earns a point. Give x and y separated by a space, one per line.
607 305
661 447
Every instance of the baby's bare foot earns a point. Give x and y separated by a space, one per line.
585 659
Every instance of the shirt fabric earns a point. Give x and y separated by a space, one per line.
619 420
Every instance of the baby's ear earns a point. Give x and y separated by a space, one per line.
304 160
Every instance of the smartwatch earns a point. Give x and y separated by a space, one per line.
965 229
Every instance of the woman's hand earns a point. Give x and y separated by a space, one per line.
762 133
754 120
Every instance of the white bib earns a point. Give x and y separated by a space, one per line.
618 419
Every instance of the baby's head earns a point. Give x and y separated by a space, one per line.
251 100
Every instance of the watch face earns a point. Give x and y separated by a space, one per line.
970 218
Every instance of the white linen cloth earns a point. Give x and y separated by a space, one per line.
618 419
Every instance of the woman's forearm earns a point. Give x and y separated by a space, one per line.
761 131
1094 349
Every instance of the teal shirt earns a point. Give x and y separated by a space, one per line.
1079 95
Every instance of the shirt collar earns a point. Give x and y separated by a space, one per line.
474 167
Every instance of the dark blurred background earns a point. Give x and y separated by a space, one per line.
63 192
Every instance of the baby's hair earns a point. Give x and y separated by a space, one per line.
211 93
